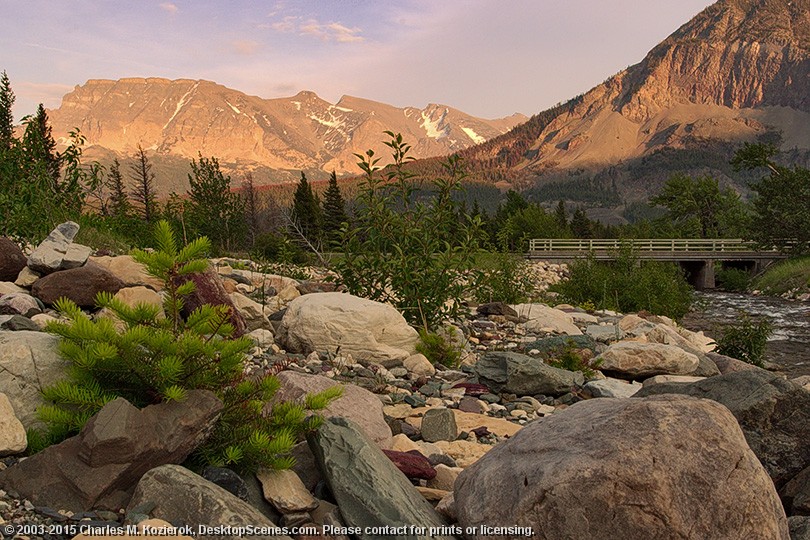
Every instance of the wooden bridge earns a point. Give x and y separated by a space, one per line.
697 256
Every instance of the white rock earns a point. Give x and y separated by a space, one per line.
251 311
647 359
261 337
75 257
368 330
612 388
658 379
12 433
26 277
542 318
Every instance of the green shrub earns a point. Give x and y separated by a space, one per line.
746 339
408 250
571 360
278 248
733 279
438 349
150 354
506 280
627 285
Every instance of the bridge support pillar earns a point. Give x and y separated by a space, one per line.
704 279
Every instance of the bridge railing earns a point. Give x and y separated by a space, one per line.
644 244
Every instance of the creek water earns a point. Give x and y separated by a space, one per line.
788 346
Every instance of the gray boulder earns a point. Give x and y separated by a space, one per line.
17 323
612 388
368 487
180 496
799 527
99 467
774 415
48 255
524 376
29 361
669 467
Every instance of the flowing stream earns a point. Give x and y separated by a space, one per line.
788 347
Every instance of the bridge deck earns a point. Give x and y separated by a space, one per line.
680 249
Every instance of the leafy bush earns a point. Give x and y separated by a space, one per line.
278 248
408 251
746 339
627 285
150 354
507 280
733 279
438 349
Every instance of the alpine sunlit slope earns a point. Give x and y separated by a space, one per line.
179 118
738 71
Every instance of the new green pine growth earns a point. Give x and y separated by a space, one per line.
151 354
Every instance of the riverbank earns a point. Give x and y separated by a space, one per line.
787 279
788 347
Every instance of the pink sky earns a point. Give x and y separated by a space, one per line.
487 58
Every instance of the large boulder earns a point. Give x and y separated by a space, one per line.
29 361
12 260
542 318
774 414
208 289
180 496
525 376
368 330
357 404
48 255
668 467
368 487
641 360
78 284
128 270
99 467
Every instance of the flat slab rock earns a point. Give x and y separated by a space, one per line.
369 489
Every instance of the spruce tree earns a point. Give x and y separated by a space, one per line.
214 211
334 212
151 354
6 113
581 226
561 215
143 192
40 147
306 211
119 205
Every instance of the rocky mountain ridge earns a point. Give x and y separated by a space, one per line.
181 118
738 71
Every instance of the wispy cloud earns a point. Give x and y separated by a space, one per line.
245 46
331 31
169 7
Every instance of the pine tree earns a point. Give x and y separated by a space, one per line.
119 205
151 354
6 113
306 211
40 147
581 225
561 215
334 212
214 211
144 193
